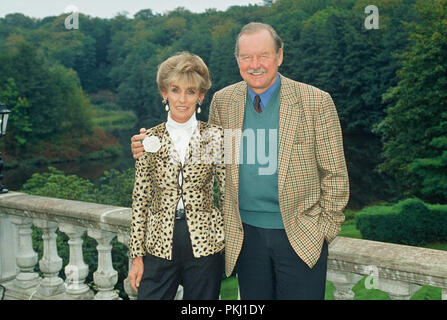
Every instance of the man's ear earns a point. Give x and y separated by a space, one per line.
280 56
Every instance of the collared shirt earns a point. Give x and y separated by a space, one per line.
180 134
266 95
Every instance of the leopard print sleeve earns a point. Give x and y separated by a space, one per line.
140 207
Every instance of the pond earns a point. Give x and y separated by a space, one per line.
13 179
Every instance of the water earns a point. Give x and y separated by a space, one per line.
13 179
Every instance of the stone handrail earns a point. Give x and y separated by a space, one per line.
396 269
102 222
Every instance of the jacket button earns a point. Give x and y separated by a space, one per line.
188 206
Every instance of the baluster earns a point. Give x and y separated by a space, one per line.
105 277
51 263
9 238
124 239
398 290
26 257
343 283
76 271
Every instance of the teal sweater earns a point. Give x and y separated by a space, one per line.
258 168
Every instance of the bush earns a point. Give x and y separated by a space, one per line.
410 222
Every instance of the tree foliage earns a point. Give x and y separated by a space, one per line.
414 129
388 85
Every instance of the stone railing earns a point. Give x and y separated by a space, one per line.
395 269
398 270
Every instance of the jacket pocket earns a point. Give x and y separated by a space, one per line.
313 211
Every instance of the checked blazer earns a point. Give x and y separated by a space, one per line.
313 183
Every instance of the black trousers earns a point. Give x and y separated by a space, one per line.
200 277
268 268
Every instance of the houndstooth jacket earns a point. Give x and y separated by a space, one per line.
313 183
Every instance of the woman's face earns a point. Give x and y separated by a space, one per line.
182 101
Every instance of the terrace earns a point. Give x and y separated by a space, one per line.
395 269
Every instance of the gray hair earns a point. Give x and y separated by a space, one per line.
254 27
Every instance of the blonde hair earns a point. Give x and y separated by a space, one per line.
183 67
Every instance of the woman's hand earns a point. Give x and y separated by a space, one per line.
136 145
136 272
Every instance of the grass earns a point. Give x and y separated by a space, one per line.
229 288
114 120
109 120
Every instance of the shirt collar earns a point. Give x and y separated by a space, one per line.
190 124
266 95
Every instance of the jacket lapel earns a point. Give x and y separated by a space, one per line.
236 122
290 109
194 152
167 150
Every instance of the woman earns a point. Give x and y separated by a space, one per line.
176 232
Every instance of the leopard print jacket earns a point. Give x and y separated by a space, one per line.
157 191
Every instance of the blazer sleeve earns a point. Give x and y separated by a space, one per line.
331 163
140 206
219 172
214 117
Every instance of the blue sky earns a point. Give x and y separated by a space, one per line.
109 8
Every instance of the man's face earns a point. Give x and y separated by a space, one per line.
258 62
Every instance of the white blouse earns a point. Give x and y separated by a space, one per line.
180 134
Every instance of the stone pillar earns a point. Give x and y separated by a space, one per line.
444 294
51 263
132 294
343 283
26 258
76 271
8 248
105 277
398 290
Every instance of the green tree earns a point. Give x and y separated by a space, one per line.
415 118
19 124
56 184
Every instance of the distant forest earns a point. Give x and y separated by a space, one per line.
389 84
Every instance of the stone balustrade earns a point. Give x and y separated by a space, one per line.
19 211
395 269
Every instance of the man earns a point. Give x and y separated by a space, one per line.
278 223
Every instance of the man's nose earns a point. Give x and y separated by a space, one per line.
254 63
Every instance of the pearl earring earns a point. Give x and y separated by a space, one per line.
199 109
165 102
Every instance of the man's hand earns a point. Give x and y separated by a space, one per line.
136 145
136 272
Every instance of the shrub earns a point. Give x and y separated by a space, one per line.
410 222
